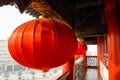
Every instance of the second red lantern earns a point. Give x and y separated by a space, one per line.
82 48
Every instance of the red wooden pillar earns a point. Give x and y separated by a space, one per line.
85 61
113 39
69 66
98 51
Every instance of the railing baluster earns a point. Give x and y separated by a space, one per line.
79 68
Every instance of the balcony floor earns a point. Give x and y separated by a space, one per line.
92 74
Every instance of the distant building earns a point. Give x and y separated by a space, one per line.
6 61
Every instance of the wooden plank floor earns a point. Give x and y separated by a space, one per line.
92 74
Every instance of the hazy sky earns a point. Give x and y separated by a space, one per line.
10 18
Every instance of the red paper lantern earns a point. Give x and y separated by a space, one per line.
82 48
42 44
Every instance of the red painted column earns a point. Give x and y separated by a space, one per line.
85 61
113 39
98 51
69 66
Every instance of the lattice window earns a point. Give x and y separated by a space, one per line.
104 50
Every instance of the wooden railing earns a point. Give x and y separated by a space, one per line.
79 69
92 61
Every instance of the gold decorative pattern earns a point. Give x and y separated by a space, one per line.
46 10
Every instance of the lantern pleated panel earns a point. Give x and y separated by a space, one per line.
42 44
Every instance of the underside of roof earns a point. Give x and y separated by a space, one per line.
86 17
